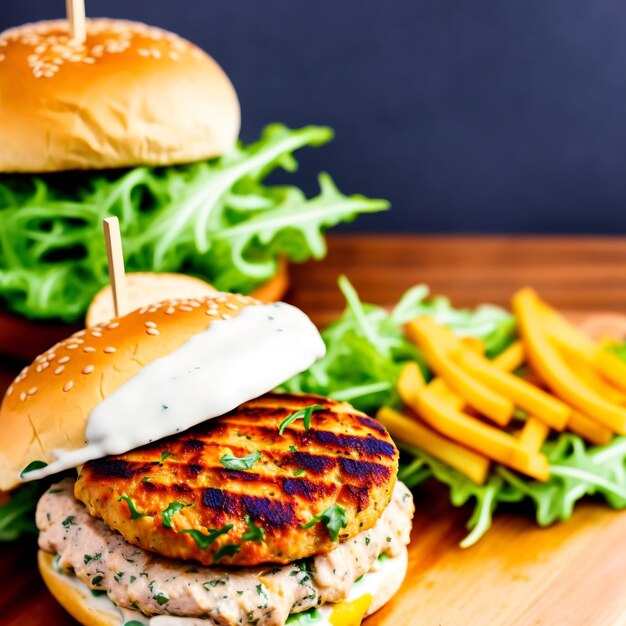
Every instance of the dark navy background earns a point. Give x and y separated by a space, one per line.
474 115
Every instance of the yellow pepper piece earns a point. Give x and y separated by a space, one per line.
415 433
410 382
351 613
512 358
530 398
547 361
437 342
484 439
589 429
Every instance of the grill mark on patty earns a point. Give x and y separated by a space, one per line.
307 489
119 468
374 472
272 512
314 463
371 423
365 445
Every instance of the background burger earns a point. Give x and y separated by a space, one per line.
138 123
199 500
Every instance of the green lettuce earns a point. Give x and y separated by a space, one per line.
217 219
366 350
17 515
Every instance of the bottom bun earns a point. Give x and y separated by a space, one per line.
90 610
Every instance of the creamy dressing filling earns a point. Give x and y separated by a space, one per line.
369 583
215 371
136 578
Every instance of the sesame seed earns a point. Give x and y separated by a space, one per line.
89 349
231 306
59 370
211 312
149 324
152 331
170 310
96 333
45 365
64 359
38 369
109 350
184 307
10 390
225 316
71 346
152 309
88 369
68 385
23 396
113 325
194 303
32 391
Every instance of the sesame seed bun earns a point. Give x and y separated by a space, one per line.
152 98
47 406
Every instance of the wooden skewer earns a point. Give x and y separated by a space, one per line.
76 16
115 257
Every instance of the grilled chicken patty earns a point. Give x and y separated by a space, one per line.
181 498
264 595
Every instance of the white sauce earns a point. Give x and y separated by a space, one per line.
215 371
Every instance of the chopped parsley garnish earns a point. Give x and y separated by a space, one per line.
166 515
97 580
67 522
31 467
240 463
293 448
302 414
254 532
118 577
56 490
161 598
228 549
134 513
92 557
334 517
164 455
298 472
204 541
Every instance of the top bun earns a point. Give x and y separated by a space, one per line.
48 405
129 95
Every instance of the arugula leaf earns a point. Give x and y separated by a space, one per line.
302 414
218 219
17 516
168 513
254 532
232 462
334 518
204 541
134 513
164 455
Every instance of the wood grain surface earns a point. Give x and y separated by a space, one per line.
571 574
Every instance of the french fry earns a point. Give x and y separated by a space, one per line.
533 400
474 344
546 360
589 429
438 386
484 439
413 432
595 381
437 342
565 334
611 367
533 434
513 357
410 382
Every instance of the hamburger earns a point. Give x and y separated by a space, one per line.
138 123
202 496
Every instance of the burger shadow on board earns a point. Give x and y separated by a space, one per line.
140 124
